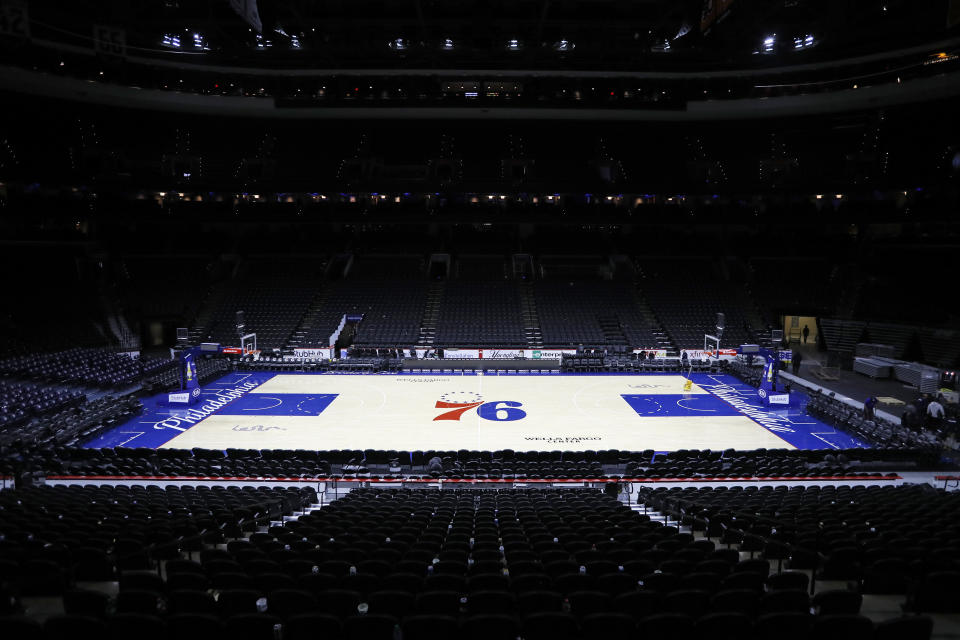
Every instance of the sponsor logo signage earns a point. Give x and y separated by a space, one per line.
457 403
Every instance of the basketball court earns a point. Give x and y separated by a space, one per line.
480 412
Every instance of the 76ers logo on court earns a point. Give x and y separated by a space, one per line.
459 402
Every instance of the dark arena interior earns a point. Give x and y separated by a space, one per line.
402 319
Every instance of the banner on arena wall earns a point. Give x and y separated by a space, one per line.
547 354
428 353
786 355
697 354
326 352
657 353
499 354
109 41
557 354
461 354
238 351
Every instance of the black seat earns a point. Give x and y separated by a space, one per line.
539 602
667 625
583 603
488 581
42 578
20 628
252 626
430 627
70 627
938 592
607 625
143 580
338 602
690 602
438 603
843 626
616 583
191 601
290 602
185 580
744 580
549 626
834 601
310 626
85 602
785 625
638 604
372 626
726 625
237 601
490 626
531 582
392 602
905 628
194 626
788 580
123 626
491 602
138 601
792 600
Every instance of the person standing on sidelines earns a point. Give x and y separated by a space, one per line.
806 333
935 413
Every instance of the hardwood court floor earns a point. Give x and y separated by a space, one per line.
480 412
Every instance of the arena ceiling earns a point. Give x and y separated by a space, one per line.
500 34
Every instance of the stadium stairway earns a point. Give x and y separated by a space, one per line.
662 336
612 331
299 337
431 314
530 318
201 324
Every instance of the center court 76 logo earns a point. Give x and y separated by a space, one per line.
459 402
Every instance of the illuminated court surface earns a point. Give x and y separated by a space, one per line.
483 412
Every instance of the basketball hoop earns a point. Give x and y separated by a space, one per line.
248 343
